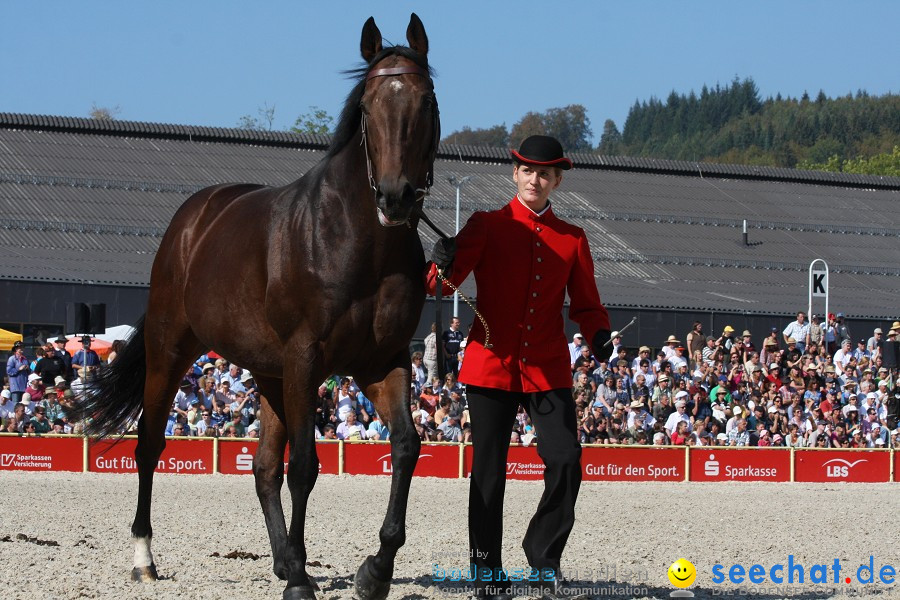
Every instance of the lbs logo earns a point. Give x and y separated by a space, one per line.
838 468
386 466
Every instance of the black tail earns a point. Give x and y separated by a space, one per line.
116 397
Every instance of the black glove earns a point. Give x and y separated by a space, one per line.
443 253
600 338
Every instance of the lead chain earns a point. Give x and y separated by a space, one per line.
487 330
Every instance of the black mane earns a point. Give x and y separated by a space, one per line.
351 113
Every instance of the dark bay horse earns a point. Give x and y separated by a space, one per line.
324 276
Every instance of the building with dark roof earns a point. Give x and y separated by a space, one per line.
86 202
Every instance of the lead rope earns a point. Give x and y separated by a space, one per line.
440 276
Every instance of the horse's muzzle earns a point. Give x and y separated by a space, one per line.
395 199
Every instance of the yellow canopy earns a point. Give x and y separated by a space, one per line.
7 338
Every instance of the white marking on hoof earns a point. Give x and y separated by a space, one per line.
142 556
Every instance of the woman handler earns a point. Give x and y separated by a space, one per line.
525 259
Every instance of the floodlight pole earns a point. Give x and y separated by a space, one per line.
457 182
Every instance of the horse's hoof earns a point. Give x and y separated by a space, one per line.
369 587
299 592
144 573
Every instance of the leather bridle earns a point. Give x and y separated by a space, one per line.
392 72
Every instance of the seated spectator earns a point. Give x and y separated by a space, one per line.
680 415
205 423
39 420
739 436
443 410
700 435
6 406
28 405
224 395
240 405
377 429
449 430
328 432
419 374
350 429
585 362
583 385
185 395
680 435
219 416
34 388
601 372
236 424
195 416
429 399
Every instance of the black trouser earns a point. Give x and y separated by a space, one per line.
553 416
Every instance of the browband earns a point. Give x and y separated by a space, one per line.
408 70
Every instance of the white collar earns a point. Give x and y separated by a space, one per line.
546 208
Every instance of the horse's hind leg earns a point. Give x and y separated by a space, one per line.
373 579
268 468
170 351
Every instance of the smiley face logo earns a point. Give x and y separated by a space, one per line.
682 573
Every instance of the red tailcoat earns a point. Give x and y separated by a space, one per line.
524 264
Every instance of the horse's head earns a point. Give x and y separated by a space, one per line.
400 124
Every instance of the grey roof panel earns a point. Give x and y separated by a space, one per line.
88 201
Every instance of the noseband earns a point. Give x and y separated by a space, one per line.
392 72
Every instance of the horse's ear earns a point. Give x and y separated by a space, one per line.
370 44
415 35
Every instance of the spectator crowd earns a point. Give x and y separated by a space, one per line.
807 384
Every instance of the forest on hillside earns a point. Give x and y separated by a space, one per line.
856 133
732 124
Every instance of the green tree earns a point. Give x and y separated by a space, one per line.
104 113
317 120
496 136
569 124
887 163
530 124
610 139
265 116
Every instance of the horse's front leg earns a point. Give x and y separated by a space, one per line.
373 579
303 469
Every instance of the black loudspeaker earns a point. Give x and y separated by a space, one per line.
890 355
97 321
78 317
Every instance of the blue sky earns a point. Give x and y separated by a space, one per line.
209 63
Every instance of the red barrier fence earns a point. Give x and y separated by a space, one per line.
599 463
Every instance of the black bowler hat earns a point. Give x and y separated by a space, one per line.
86 339
542 150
